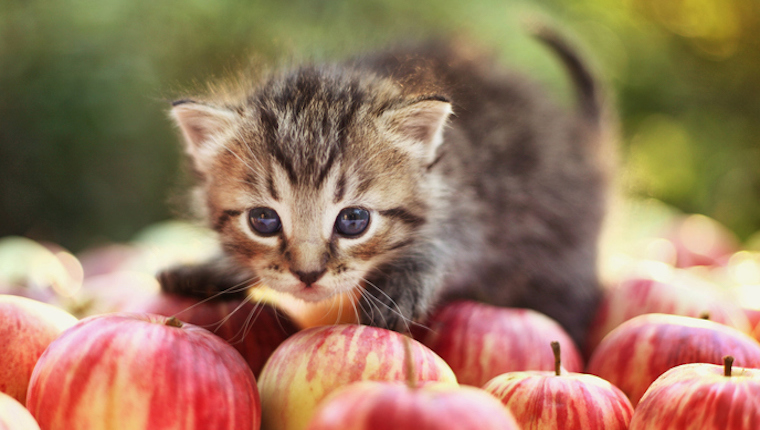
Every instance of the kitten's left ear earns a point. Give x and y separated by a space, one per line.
421 123
202 126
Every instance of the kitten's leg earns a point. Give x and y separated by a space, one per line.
570 301
400 294
218 276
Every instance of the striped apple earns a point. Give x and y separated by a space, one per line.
633 355
372 405
560 400
13 415
314 362
481 341
26 328
254 329
142 371
704 396
685 296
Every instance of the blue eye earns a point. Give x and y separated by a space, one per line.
264 221
352 221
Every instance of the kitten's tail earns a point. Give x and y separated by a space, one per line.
586 86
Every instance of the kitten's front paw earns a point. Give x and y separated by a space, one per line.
201 281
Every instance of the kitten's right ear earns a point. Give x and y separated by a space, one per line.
202 127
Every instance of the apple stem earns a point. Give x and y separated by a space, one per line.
411 374
557 359
728 361
705 315
173 322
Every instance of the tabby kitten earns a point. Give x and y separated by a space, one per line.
409 177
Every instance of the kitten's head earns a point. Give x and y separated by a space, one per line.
317 177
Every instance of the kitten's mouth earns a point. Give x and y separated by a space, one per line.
312 292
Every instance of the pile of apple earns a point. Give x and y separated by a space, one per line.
674 342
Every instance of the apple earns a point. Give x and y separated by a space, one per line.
314 362
44 273
682 294
104 259
480 341
26 328
710 396
14 416
634 354
116 291
559 400
372 405
701 241
393 405
254 329
142 371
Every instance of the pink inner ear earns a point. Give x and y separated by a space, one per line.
200 122
424 122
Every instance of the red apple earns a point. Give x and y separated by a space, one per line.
26 328
557 400
481 341
638 351
704 396
754 319
142 371
13 415
116 291
315 362
372 405
701 241
682 295
254 329
105 259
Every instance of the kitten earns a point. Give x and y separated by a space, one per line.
410 177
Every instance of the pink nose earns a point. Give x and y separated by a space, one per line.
309 278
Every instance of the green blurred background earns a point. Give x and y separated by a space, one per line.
88 155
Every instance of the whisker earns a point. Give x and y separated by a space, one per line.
242 333
397 311
233 289
354 300
227 318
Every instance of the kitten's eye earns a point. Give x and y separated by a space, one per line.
264 221
352 221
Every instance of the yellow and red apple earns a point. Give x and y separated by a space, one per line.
26 328
313 363
142 371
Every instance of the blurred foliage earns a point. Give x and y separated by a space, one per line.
88 155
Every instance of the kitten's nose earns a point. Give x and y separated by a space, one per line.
309 278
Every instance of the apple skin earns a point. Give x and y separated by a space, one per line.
754 319
26 328
13 415
142 371
543 400
314 362
638 351
255 330
639 296
701 241
699 395
372 405
481 341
